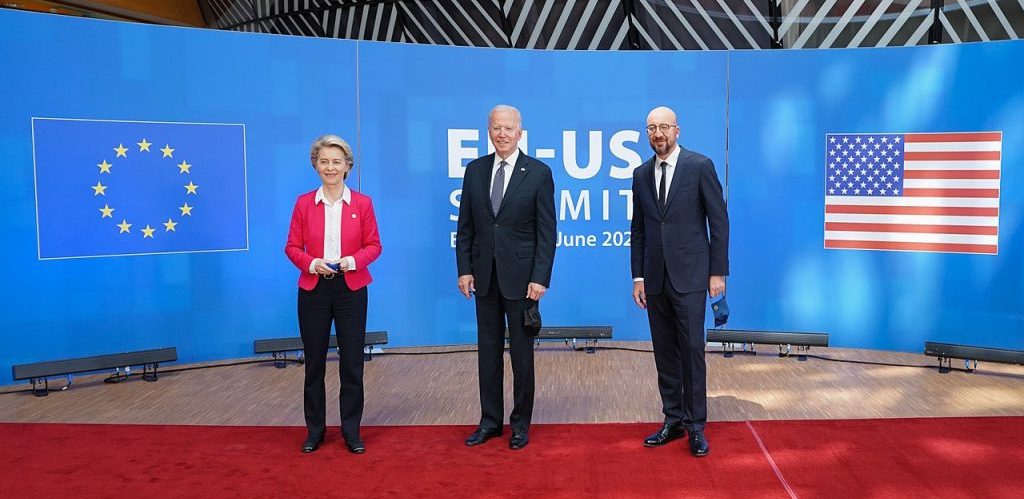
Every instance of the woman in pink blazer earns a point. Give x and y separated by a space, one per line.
332 240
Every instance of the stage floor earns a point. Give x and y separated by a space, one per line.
422 386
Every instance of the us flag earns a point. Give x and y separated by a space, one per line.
935 192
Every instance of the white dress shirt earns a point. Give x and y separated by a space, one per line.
670 170
332 228
509 168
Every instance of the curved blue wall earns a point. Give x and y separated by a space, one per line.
417 114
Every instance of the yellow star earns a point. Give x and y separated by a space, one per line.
99 189
124 225
167 151
186 210
106 210
144 146
184 168
191 188
104 167
169 224
121 151
147 232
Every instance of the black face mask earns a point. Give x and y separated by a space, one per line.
531 318
721 310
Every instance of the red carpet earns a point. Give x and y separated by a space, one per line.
973 457
934 457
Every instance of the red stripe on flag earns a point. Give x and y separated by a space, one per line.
954 137
950 155
952 174
957 211
989 249
978 230
952 193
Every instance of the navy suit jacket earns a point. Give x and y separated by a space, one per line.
676 241
518 240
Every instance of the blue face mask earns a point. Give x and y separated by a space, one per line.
721 310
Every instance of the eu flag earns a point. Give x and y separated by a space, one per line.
112 188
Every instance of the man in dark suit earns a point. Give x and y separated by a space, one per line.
677 202
504 248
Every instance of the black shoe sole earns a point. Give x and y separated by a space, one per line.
665 442
516 446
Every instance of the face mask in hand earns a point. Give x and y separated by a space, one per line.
721 310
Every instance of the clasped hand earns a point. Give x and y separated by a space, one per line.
322 268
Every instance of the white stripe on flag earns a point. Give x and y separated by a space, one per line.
952 165
912 201
949 183
911 219
905 237
952 146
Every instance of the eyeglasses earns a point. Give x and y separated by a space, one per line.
337 163
664 127
506 129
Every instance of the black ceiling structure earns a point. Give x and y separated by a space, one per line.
630 24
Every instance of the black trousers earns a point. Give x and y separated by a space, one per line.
332 301
677 331
492 310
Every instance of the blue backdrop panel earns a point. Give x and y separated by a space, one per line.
783 103
285 90
424 116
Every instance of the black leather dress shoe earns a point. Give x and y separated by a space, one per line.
698 444
355 446
312 444
666 434
481 435
519 440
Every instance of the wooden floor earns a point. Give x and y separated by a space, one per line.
572 386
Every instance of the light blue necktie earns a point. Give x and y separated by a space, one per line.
498 187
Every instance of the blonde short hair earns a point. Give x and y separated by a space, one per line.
331 141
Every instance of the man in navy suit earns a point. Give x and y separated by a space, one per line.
504 248
677 203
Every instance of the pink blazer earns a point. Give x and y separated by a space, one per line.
359 238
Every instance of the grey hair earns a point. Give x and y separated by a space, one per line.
330 140
503 108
